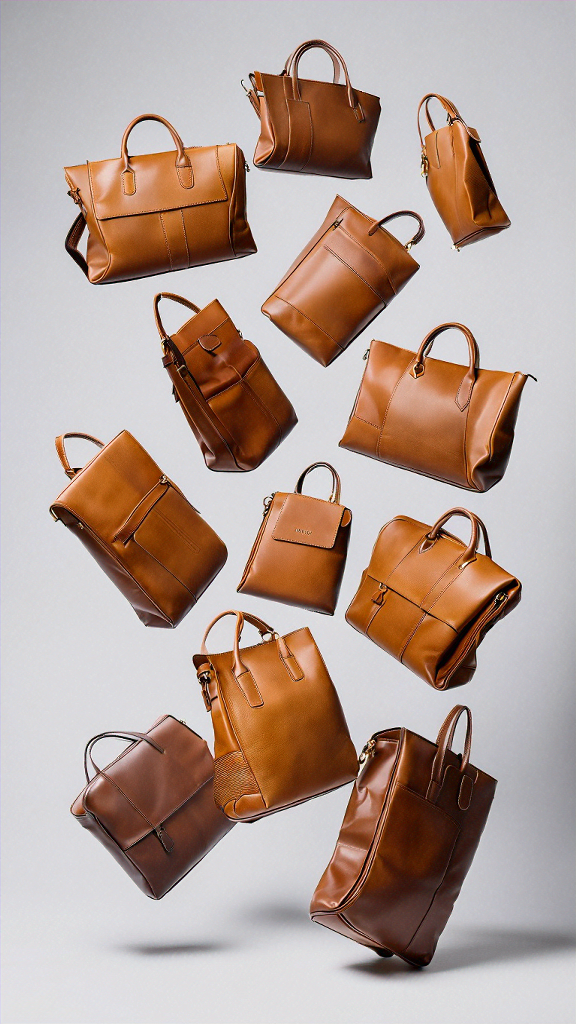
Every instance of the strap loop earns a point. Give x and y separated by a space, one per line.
119 735
402 213
335 495
61 450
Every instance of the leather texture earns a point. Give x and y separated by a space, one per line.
280 736
153 807
237 411
444 420
348 273
408 839
159 212
300 550
140 529
313 127
428 599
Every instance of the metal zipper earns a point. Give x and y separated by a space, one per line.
497 603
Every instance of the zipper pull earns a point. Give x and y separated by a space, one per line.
368 751
500 598
366 354
267 503
165 839
336 223
246 165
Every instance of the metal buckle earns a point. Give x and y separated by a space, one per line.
271 633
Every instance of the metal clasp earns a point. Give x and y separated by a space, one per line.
204 679
367 752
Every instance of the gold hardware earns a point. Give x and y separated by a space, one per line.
247 91
267 502
336 223
423 165
417 370
54 516
79 525
271 633
409 245
368 751
464 564
500 598
204 679
456 247
75 195
163 479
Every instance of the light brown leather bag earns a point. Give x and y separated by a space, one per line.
451 422
280 736
153 807
237 411
458 178
314 127
159 212
140 528
300 550
428 599
348 273
409 835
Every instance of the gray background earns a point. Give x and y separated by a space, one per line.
233 944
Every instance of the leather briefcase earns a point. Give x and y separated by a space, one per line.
280 736
140 528
458 178
348 273
428 599
451 422
159 212
300 550
409 835
237 411
313 127
153 807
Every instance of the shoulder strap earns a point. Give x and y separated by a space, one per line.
72 239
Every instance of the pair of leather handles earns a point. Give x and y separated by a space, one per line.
291 69
478 528
239 668
182 163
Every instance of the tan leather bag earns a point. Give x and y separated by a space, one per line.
409 835
140 528
428 599
300 550
153 807
237 411
314 127
159 212
348 273
280 736
451 422
458 178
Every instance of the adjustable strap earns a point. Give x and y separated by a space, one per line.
72 239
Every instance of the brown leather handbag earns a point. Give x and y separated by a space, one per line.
140 528
153 807
237 411
313 127
159 212
300 550
408 839
428 599
458 178
280 736
348 273
451 422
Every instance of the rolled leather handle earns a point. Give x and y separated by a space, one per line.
333 52
183 164
309 45
120 735
175 298
477 528
263 628
61 450
465 390
449 107
444 743
402 213
335 496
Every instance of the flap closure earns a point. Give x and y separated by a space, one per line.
216 354
310 521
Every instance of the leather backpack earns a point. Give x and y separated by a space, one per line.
280 736
159 212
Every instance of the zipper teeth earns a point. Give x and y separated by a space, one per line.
255 545
492 612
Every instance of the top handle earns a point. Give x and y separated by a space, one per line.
120 735
242 673
477 528
465 390
451 111
183 164
444 743
402 213
333 52
335 495
59 442
309 45
175 298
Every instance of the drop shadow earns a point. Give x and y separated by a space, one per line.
277 914
172 948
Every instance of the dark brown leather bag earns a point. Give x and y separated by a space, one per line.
348 273
458 178
140 528
280 736
313 127
409 835
451 422
159 212
153 807
237 411
428 599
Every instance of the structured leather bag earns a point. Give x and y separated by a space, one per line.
348 273
300 550
408 839
429 599
313 127
153 807
458 178
140 528
451 422
159 212
237 411
280 736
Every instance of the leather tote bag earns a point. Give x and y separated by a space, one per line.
429 599
451 422
348 273
237 411
313 127
280 736
153 807
140 528
408 839
458 178
159 212
300 550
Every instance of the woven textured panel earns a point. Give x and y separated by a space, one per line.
233 778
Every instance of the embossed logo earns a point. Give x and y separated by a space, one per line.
298 530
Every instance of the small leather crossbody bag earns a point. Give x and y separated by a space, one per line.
428 599
348 273
280 736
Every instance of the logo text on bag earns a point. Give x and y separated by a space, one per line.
298 530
